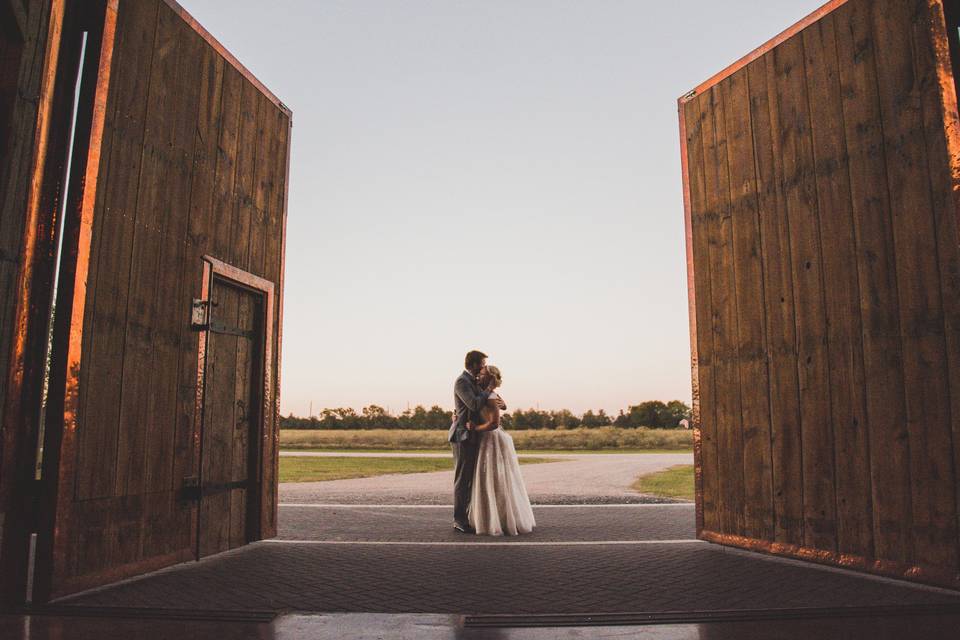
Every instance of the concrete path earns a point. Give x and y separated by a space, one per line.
575 478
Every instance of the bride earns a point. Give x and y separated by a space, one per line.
498 504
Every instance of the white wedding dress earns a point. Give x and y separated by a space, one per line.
498 503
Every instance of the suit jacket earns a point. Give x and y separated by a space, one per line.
468 400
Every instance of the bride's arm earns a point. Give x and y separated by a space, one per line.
491 414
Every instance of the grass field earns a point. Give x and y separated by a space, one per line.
605 439
675 482
316 469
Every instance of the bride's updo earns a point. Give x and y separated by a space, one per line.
494 373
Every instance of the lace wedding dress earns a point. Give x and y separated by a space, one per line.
499 504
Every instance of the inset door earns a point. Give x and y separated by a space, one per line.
228 487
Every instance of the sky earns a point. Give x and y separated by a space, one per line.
496 175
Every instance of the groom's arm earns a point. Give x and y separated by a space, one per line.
465 391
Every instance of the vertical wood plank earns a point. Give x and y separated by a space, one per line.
224 209
841 293
786 444
876 269
695 114
750 301
799 190
152 204
918 279
271 378
202 168
218 422
239 461
724 319
932 35
99 438
244 183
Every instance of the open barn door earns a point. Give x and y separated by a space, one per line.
177 193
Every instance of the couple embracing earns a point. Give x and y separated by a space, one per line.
489 497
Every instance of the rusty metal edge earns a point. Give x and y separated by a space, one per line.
197 434
66 477
226 55
763 49
935 576
692 312
14 419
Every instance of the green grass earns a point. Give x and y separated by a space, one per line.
316 469
602 439
523 451
675 482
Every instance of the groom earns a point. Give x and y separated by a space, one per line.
468 399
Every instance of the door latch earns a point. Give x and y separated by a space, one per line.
200 315
190 489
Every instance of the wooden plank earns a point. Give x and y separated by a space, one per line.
224 206
918 284
842 293
99 439
243 401
218 422
883 368
202 168
932 37
786 445
724 316
172 317
263 184
750 301
799 193
694 112
244 181
271 381
143 302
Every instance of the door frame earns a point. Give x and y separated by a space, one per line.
216 268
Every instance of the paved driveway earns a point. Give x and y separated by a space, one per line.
573 479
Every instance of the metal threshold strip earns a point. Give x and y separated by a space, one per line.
148 613
694 616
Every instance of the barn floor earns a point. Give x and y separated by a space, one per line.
639 561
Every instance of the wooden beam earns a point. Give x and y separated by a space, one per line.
20 16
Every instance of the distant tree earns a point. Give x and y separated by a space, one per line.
654 414
677 411
599 419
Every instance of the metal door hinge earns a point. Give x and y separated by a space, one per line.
200 315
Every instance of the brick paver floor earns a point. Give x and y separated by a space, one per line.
325 572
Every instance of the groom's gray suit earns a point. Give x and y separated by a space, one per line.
468 400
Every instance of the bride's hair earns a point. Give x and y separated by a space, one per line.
494 372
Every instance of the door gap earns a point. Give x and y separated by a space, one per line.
58 252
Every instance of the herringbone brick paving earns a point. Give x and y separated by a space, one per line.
504 578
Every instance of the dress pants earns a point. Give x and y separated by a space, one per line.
465 462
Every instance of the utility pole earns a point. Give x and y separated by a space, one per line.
311 409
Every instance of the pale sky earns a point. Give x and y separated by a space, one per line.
497 175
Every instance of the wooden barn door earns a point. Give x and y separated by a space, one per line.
232 410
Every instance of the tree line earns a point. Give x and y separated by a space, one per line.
652 414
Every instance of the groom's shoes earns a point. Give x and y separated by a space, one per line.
463 528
